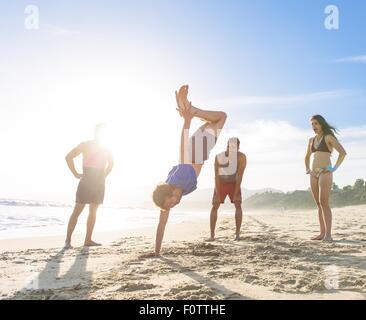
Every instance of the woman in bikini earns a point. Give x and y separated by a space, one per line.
194 151
321 171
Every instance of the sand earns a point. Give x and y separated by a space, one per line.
274 260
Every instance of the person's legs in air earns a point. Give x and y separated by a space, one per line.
215 120
93 207
205 138
78 209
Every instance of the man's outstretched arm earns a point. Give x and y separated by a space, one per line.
164 215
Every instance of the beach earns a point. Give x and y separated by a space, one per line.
273 260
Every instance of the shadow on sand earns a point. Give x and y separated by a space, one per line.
225 292
49 284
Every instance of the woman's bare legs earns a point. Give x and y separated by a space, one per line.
325 186
78 209
314 182
90 225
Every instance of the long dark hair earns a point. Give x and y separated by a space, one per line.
326 127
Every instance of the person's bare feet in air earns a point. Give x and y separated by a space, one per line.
182 100
319 237
91 244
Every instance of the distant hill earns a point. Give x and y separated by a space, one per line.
201 195
303 199
266 198
201 199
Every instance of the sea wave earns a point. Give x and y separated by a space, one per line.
30 203
39 203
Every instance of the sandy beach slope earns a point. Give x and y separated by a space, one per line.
274 260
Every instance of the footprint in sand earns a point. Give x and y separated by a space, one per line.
204 253
252 238
136 286
19 261
4 257
190 287
250 278
223 228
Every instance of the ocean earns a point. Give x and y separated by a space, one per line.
24 218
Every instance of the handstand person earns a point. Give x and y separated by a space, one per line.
194 151
229 171
97 164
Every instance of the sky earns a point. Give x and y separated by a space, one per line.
270 65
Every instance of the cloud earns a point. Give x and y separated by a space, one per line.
355 59
57 30
276 152
305 98
272 141
354 132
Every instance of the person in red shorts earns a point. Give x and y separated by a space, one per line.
229 171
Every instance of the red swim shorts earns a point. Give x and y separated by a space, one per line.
226 189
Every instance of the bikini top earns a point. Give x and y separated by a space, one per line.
322 147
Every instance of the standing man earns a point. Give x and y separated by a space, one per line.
229 170
97 164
